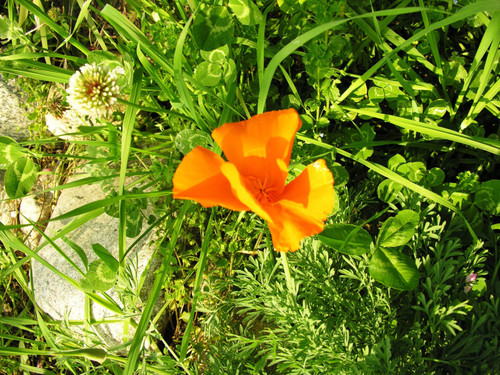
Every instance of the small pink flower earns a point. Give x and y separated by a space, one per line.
470 280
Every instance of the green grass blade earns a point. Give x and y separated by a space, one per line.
485 144
128 126
161 276
38 71
486 41
52 24
383 171
179 77
131 33
197 284
304 38
431 38
83 13
467 11
152 71
479 100
37 55
10 240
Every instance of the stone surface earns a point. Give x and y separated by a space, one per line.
36 208
13 116
60 299
64 125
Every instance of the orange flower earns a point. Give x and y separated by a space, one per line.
258 151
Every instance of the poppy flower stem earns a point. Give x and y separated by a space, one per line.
290 283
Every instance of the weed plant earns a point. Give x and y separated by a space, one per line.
401 99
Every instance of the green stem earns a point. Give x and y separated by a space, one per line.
290 283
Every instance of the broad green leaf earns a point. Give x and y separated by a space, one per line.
346 238
100 57
246 11
360 93
395 161
436 109
229 71
488 197
218 55
393 269
20 177
398 230
340 175
106 59
213 28
435 177
105 256
99 277
134 220
188 139
208 73
10 151
388 190
376 94
9 30
414 171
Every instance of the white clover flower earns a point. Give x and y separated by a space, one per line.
93 89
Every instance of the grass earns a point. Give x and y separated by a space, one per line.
400 99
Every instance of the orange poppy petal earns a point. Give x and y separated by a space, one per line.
198 177
303 208
241 190
268 136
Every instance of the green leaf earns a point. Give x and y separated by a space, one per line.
435 177
437 109
134 220
246 12
388 190
10 151
100 57
208 73
398 230
414 171
230 71
346 238
105 256
393 269
188 139
99 277
20 177
340 175
218 55
9 30
487 197
107 60
395 161
376 94
213 28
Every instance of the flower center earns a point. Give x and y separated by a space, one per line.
93 88
263 191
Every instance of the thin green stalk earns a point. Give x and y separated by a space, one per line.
197 286
128 126
290 282
161 276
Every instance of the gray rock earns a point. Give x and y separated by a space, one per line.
62 300
13 116
36 208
